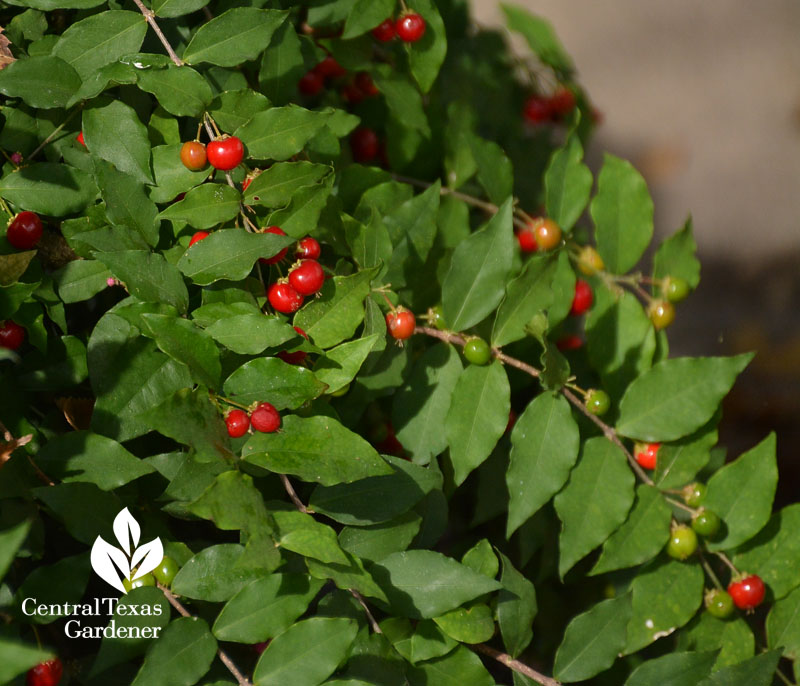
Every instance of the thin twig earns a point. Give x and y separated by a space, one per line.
54 133
372 621
727 561
151 19
293 495
709 570
226 660
516 665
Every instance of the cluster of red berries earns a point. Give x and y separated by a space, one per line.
540 233
305 277
223 153
24 230
314 80
539 108
264 418
409 28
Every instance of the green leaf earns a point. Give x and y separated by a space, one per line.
475 423
419 643
10 541
567 184
281 132
544 448
641 537
148 276
338 310
495 171
665 597
302 534
13 266
86 456
114 133
741 493
55 190
306 653
676 257
731 637
479 267
233 503
339 366
228 254
179 90
127 205
622 212
426 56
315 449
474 624
679 462
541 37
366 15
481 558
593 640
114 74
595 502
251 334
235 36
424 584
205 206
215 574
265 608
380 540
17 658
757 671
85 510
420 407
276 186
678 669
304 209
457 668
350 576
415 221
783 625
268 378
100 39
282 66
43 82
172 178
774 554
675 397
379 498
61 582
180 656
185 342
403 100
176 8
233 109
516 608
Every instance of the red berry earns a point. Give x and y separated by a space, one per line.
748 592
311 83
45 673
384 32
582 299
265 418
193 155
249 179
278 231
237 422
24 230
284 298
401 323
225 153
537 109
527 240
307 278
353 94
562 102
308 248
16 158
329 68
199 236
410 27
80 140
365 84
569 342
364 144
647 454
297 356
11 335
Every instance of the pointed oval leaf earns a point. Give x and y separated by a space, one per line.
281 132
179 90
215 574
47 188
677 669
205 206
43 82
516 608
567 184
273 380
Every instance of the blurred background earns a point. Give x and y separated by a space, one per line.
704 99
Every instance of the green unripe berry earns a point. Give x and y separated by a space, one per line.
682 542
589 261
597 401
436 317
706 523
661 314
675 289
145 580
477 351
694 494
166 571
719 603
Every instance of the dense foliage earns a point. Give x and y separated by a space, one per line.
322 295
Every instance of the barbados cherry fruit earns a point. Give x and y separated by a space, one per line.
537 109
311 83
284 298
265 418
307 278
436 317
308 248
675 289
527 240
237 423
682 542
198 236
706 523
562 102
80 140
597 401
11 335
365 145
278 231
747 592
225 153
583 298
329 68
401 323
477 351
546 232
570 342
410 27
718 603
193 155
24 230
589 261
166 571
694 494
297 356
646 454
384 32
45 673
661 314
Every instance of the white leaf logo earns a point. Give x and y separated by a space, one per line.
113 565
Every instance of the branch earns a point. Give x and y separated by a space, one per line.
151 19
372 621
515 665
293 495
54 133
232 668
